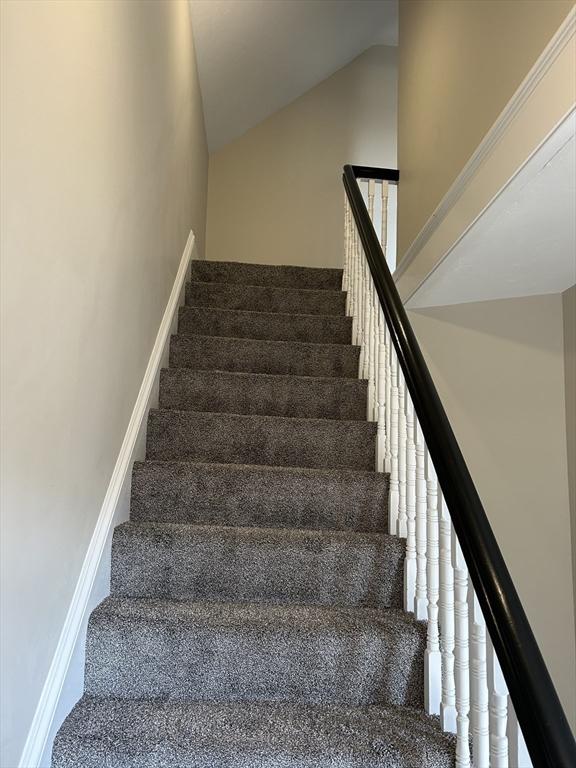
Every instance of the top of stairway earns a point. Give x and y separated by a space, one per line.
282 276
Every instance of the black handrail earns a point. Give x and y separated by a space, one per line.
548 736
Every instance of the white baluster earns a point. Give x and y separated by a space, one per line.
353 285
382 405
478 683
371 190
387 395
402 527
461 655
432 658
421 597
498 706
446 603
394 495
346 246
372 344
384 234
366 324
518 756
410 561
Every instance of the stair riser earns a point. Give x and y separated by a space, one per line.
318 329
265 299
253 356
361 665
265 274
207 564
232 439
264 395
259 496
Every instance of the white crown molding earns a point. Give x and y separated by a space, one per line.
48 702
555 47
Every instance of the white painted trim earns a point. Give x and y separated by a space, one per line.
41 726
555 47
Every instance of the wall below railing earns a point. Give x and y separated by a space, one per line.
498 367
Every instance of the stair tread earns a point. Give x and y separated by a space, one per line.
267 298
259 616
263 394
268 274
277 326
174 734
252 494
257 564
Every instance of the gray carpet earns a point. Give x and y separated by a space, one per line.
255 613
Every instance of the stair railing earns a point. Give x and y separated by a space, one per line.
484 674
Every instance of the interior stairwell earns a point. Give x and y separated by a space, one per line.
255 616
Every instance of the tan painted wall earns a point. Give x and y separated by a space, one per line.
104 171
569 313
275 194
499 370
459 65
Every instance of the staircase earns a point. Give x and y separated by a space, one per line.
255 617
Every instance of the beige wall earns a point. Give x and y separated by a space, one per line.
104 171
499 370
569 312
275 194
459 65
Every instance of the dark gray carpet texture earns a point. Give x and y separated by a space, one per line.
255 615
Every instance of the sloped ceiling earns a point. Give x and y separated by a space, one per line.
256 56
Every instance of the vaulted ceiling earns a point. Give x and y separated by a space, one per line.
256 56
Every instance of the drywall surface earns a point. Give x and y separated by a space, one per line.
104 173
459 65
275 194
499 370
569 314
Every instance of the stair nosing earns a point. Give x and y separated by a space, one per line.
282 288
327 379
225 414
260 467
355 347
313 533
347 318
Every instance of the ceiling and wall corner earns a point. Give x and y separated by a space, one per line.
256 56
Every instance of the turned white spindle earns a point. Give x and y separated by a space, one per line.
401 527
432 658
387 395
382 404
421 597
518 756
371 192
461 655
498 708
478 683
446 605
372 345
410 559
394 495
354 283
384 232
345 273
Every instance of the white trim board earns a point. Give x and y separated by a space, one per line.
543 99
65 680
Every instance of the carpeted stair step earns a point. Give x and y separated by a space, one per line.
143 648
320 329
267 274
273 440
266 298
244 495
124 733
258 393
265 565
264 356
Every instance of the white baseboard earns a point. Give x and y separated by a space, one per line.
65 680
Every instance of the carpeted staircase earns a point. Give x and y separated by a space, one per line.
255 613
